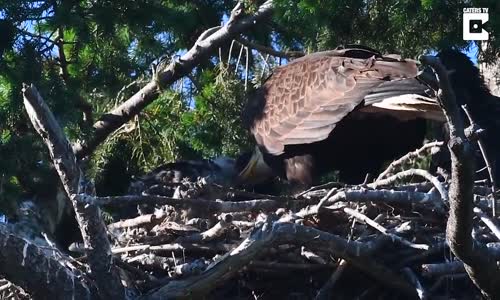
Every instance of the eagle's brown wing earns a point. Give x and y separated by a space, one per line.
303 101
407 107
405 100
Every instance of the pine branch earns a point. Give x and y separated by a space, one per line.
112 120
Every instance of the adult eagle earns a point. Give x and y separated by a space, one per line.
339 109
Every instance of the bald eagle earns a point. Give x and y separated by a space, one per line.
349 109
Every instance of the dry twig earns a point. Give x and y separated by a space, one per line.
407 157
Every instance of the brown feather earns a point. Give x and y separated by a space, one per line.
304 100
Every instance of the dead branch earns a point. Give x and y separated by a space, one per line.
232 194
486 159
423 187
288 267
311 256
488 222
208 206
142 275
434 249
190 269
407 157
46 274
324 292
316 208
440 269
5 287
412 173
211 234
424 200
325 186
176 70
269 50
89 219
176 248
479 264
380 228
149 220
243 224
414 280
152 261
275 233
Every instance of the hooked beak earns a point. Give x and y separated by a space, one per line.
247 173
256 170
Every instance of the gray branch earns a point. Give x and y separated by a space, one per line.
111 121
44 273
271 234
409 174
208 206
479 264
88 216
407 157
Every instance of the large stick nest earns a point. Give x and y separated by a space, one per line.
382 239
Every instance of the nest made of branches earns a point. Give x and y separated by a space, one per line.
382 239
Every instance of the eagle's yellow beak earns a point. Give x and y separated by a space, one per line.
256 170
249 169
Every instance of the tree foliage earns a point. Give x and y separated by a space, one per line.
409 27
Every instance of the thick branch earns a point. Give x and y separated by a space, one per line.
425 200
479 264
272 234
411 173
176 70
88 216
486 158
208 206
44 273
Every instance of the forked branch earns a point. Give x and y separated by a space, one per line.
111 121
479 264
88 216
